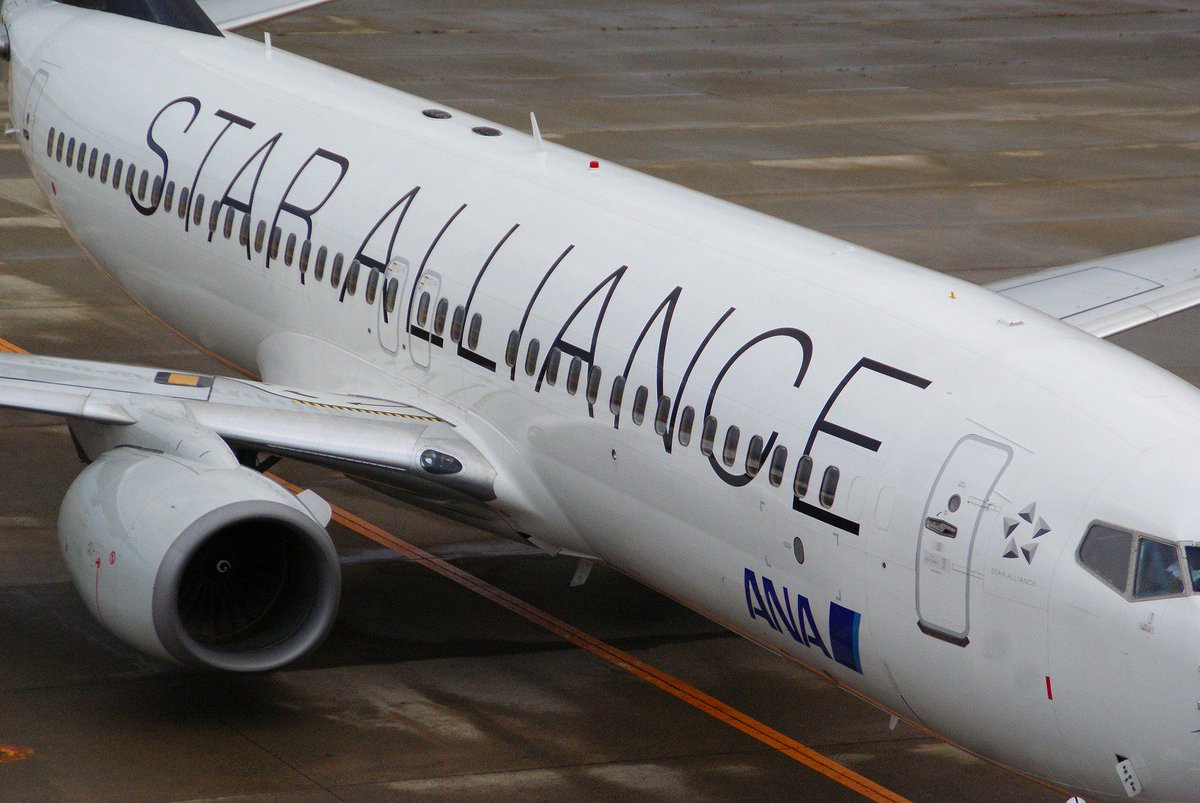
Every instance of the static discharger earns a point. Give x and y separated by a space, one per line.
537 133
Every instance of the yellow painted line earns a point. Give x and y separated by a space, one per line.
386 413
10 348
619 658
9 753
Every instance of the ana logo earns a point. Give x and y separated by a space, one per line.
1021 533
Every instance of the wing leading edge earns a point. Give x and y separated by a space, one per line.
1112 294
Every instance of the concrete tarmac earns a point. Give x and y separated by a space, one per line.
982 139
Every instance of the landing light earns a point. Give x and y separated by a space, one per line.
440 463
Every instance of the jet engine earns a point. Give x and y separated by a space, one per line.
211 566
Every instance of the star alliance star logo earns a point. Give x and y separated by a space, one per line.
1021 533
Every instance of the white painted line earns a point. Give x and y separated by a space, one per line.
655 95
1060 81
858 89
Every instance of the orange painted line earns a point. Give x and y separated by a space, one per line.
619 658
11 348
9 753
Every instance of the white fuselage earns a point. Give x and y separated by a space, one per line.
917 387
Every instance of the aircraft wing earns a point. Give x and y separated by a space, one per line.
229 15
390 442
1112 294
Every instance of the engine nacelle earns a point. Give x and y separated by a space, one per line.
207 566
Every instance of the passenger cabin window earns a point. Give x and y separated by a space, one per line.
729 453
512 348
457 323
553 361
335 280
183 196
573 375
1158 572
439 316
58 149
273 243
639 404
1106 553
352 278
708 436
131 176
214 216
372 285
778 465
50 143
104 165
71 152
687 419
391 293
593 384
168 195
804 467
617 395
473 331
423 309
198 209
829 484
118 169
305 256
259 234
289 250
754 456
143 185
661 415
531 357
92 163
319 267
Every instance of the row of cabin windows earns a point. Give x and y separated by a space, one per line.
81 157
755 456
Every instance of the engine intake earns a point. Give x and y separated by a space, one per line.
208 566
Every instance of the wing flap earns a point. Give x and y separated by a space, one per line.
1116 293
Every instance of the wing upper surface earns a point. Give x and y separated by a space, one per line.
398 441
229 15
1112 294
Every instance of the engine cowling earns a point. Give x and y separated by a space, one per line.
207 566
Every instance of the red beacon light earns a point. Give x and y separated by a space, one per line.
594 165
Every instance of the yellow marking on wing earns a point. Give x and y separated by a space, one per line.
190 380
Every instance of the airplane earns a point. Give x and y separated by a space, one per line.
961 503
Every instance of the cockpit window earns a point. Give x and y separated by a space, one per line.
1158 573
1193 565
1106 552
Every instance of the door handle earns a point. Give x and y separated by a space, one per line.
941 527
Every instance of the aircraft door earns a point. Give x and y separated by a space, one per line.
395 277
33 99
421 337
952 514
